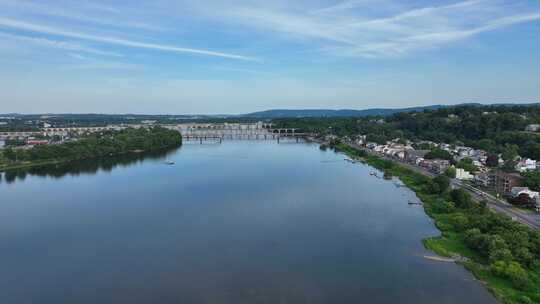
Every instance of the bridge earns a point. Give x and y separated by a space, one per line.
190 131
236 131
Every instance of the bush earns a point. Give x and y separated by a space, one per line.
503 254
443 206
461 198
459 221
512 271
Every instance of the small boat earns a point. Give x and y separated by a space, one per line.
169 162
373 173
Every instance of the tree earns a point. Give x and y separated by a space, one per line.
10 154
517 275
492 161
459 221
439 154
450 172
502 254
440 184
461 198
474 238
510 152
513 271
444 206
532 180
467 165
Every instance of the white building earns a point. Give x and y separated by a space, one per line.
2 143
526 165
517 191
461 174
533 128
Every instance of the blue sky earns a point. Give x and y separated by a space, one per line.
216 56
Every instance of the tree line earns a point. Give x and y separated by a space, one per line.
99 144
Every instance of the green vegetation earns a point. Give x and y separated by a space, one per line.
93 146
467 165
532 180
495 129
438 154
498 251
450 172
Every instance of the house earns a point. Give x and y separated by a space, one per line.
481 179
438 166
461 174
371 145
36 142
2 143
415 156
517 191
524 197
361 139
525 165
533 128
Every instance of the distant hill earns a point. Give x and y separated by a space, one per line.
282 113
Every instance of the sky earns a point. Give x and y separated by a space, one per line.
217 56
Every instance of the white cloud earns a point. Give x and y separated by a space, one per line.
68 46
92 13
350 29
44 29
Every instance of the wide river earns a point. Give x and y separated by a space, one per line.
242 222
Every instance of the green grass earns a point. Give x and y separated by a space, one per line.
451 243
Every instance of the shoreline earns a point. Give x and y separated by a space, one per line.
449 245
30 165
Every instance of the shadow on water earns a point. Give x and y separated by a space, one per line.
88 167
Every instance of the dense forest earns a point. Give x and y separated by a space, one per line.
491 128
99 144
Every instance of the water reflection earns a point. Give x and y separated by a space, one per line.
88 167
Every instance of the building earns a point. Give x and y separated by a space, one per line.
461 174
36 142
2 144
504 182
438 166
517 191
525 165
415 156
481 179
533 128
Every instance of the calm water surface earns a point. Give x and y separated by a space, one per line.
241 222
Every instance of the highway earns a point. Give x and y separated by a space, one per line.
529 219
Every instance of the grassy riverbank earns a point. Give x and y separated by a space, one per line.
501 253
94 146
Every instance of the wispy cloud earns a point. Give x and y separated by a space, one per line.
349 29
44 29
92 14
68 46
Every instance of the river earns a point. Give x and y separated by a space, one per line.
238 222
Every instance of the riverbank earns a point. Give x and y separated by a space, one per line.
35 164
454 223
95 146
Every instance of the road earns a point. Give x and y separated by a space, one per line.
529 219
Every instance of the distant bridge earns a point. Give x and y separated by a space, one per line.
220 132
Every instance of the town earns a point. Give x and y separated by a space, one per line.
473 167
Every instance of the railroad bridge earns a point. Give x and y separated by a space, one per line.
223 131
